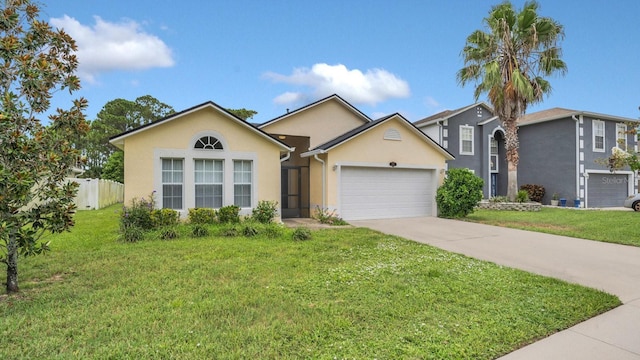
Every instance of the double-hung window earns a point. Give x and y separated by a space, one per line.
208 175
466 140
242 183
172 179
621 136
598 135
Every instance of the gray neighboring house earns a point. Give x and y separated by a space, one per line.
558 150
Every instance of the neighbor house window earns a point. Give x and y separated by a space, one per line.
621 136
466 140
242 183
598 135
208 175
172 170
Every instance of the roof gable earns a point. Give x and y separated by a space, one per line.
353 134
118 140
562 113
333 97
446 114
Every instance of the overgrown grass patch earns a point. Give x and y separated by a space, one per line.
346 293
618 227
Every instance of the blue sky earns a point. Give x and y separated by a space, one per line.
382 56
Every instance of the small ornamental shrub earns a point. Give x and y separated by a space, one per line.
522 197
165 217
229 214
265 212
329 217
199 230
229 231
169 233
131 234
535 192
459 194
138 214
202 216
301 234
250 229
499 199
273 231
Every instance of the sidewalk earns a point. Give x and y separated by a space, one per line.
609 267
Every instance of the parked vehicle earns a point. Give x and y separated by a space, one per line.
633 202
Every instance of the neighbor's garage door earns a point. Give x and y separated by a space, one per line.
377 193
607 190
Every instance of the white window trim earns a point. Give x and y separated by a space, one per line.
189 154
461 152
621 134
594 124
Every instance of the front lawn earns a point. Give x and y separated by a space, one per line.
346 293
620 227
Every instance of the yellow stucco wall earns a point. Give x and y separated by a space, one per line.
370 148
322 122
180 134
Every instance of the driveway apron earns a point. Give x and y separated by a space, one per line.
609 267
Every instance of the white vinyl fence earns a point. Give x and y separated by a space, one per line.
98 193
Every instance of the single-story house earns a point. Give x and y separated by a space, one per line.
326 155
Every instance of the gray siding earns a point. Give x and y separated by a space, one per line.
548 157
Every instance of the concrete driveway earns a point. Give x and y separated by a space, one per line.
608 267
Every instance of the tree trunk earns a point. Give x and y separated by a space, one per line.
12 264
511 147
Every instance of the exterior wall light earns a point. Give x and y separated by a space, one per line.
393 164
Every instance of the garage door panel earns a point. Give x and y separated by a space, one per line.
373 193
607 190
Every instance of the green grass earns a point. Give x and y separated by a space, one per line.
346 293
620 227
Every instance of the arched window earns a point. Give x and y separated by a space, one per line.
208 143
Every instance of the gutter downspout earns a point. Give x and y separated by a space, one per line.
323 178
578 156
288 156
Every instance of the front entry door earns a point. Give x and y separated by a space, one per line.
295 191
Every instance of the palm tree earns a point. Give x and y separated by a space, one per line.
509 62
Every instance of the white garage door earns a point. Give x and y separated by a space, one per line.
378 193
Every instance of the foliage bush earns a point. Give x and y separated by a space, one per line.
522 197
326 216
499 199
131 234
535 192
459 194
138 214
301 234
229 231
273 231
229 214
164 217
199 230
169 233
250 229
202 216
265 212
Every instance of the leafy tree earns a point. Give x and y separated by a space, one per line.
35 61
114 168
509 62
243 113
619 159
459 194
115 117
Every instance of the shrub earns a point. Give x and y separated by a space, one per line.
326 216
131 234
301 234
138 214
459 194
202 216
229 214
229 231
273 231
199 230
499 199
169 233
164 217
265 212
250 229
522 197
535 192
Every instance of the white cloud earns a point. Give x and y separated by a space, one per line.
370 87
108 46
